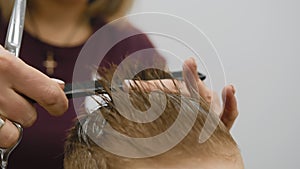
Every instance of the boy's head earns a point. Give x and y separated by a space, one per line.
219 152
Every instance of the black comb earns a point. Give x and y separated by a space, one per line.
75 90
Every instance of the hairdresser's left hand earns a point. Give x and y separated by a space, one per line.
228 113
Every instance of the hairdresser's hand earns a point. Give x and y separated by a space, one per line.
18 79
229 111
194 87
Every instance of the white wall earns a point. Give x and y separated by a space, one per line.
258 41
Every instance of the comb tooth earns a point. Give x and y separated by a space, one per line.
178 75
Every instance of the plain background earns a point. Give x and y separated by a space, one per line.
258 42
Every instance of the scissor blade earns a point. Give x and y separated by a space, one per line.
15 27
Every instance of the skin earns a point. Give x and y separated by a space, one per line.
228 112
191 163
188 161
64 14
17 78
67 16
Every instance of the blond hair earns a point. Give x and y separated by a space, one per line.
105 9
83 152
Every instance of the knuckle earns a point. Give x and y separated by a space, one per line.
52 96
22 112
232 116
62 108
55 102
235 115
2 103
30 120
9 135
211 97
6 63
12 137
208 97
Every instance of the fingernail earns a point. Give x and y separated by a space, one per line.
58 81
193 59
128 84
233 89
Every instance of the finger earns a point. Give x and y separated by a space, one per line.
32 83
216 104
193 83
9 134
230 112
17 108
189 78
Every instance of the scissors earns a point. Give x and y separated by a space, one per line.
13 44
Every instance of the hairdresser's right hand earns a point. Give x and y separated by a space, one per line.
18 79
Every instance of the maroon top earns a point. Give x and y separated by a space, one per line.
42 144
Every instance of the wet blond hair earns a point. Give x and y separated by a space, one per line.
105 9
82 152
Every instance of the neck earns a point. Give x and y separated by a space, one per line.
48 16
58 11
